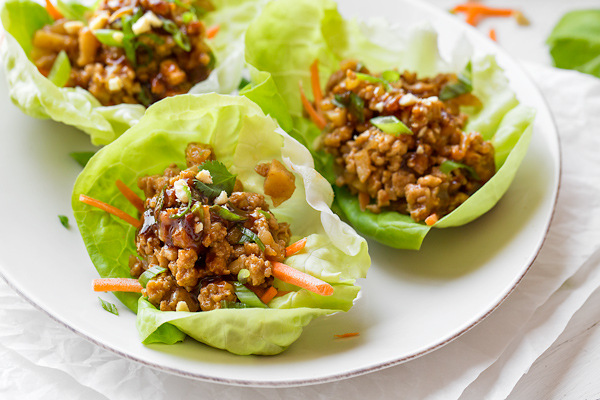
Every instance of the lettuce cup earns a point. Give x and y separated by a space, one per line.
98 67
408 140
235 244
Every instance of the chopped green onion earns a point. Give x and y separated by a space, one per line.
449 166
249 236
179 37
232 304
339 101
392 125
161 199
149 274
226 214
243 275
64 220
391 76
180 4
373 79
107 37
180 214
147 49
357 107
265 213
199 11
188 17
144 97
462 86
154 37
110 307
61 70
197 210
82 157
247 296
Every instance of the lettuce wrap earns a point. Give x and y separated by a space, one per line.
290 34
38 97
241 136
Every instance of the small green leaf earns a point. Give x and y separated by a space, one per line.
449 166
249 236
82 157
149 274
392 125
222 179
64 220
61 70
110 307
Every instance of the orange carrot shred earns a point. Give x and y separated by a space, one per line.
110 209
269 295
131 195
475 12
116 285
282 293
312 113
316 84
493 35
293 276
212 31
54 13
431 220
295 247
345 335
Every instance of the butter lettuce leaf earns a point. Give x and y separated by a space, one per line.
290 34
36 96
242 137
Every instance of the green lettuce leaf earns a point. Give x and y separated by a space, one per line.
290 34
575 42
36 96
242 137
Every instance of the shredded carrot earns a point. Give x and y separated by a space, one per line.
295 247
282 293
316 84
293 276
312 113
493 35
475 12
116 285
345 335
54 13
212 31
269 295
130 195
110 209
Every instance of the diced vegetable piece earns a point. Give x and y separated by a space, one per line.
279 183
392 125
247 297
149 274
269 295
295 247
243 275
61 70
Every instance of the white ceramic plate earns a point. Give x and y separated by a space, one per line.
411 303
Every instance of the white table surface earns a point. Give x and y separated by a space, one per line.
570 369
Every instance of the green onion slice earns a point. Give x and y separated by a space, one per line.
179 37
249 236
449 166
391 76
339 101
462 86
357 106
188 17
392 125
373 79
189 204
107 37
232 304
247 296
64 220
265 213
226 214
198 210
243 275
161 199
61 70
110 307
149 274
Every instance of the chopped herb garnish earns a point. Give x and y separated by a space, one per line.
462 86
82 157
197 209
356 107
392 125
339 101
226 214
61 70
161 199
449 166
265 213
179 37
108 37
189 204
247 296
64 220
149 274
249 236
144 96
373 79
180 4
110 307
243 275
222 179
232 304
188 17
391 76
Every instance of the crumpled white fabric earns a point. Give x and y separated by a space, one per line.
41 359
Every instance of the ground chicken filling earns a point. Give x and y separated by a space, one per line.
203 241
402 172
130 51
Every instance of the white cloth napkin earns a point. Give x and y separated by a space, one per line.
41 359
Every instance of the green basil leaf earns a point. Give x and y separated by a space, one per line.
392 125
149 274
82 157
249 236
247 296
110 307
64 220
61 70
449 166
